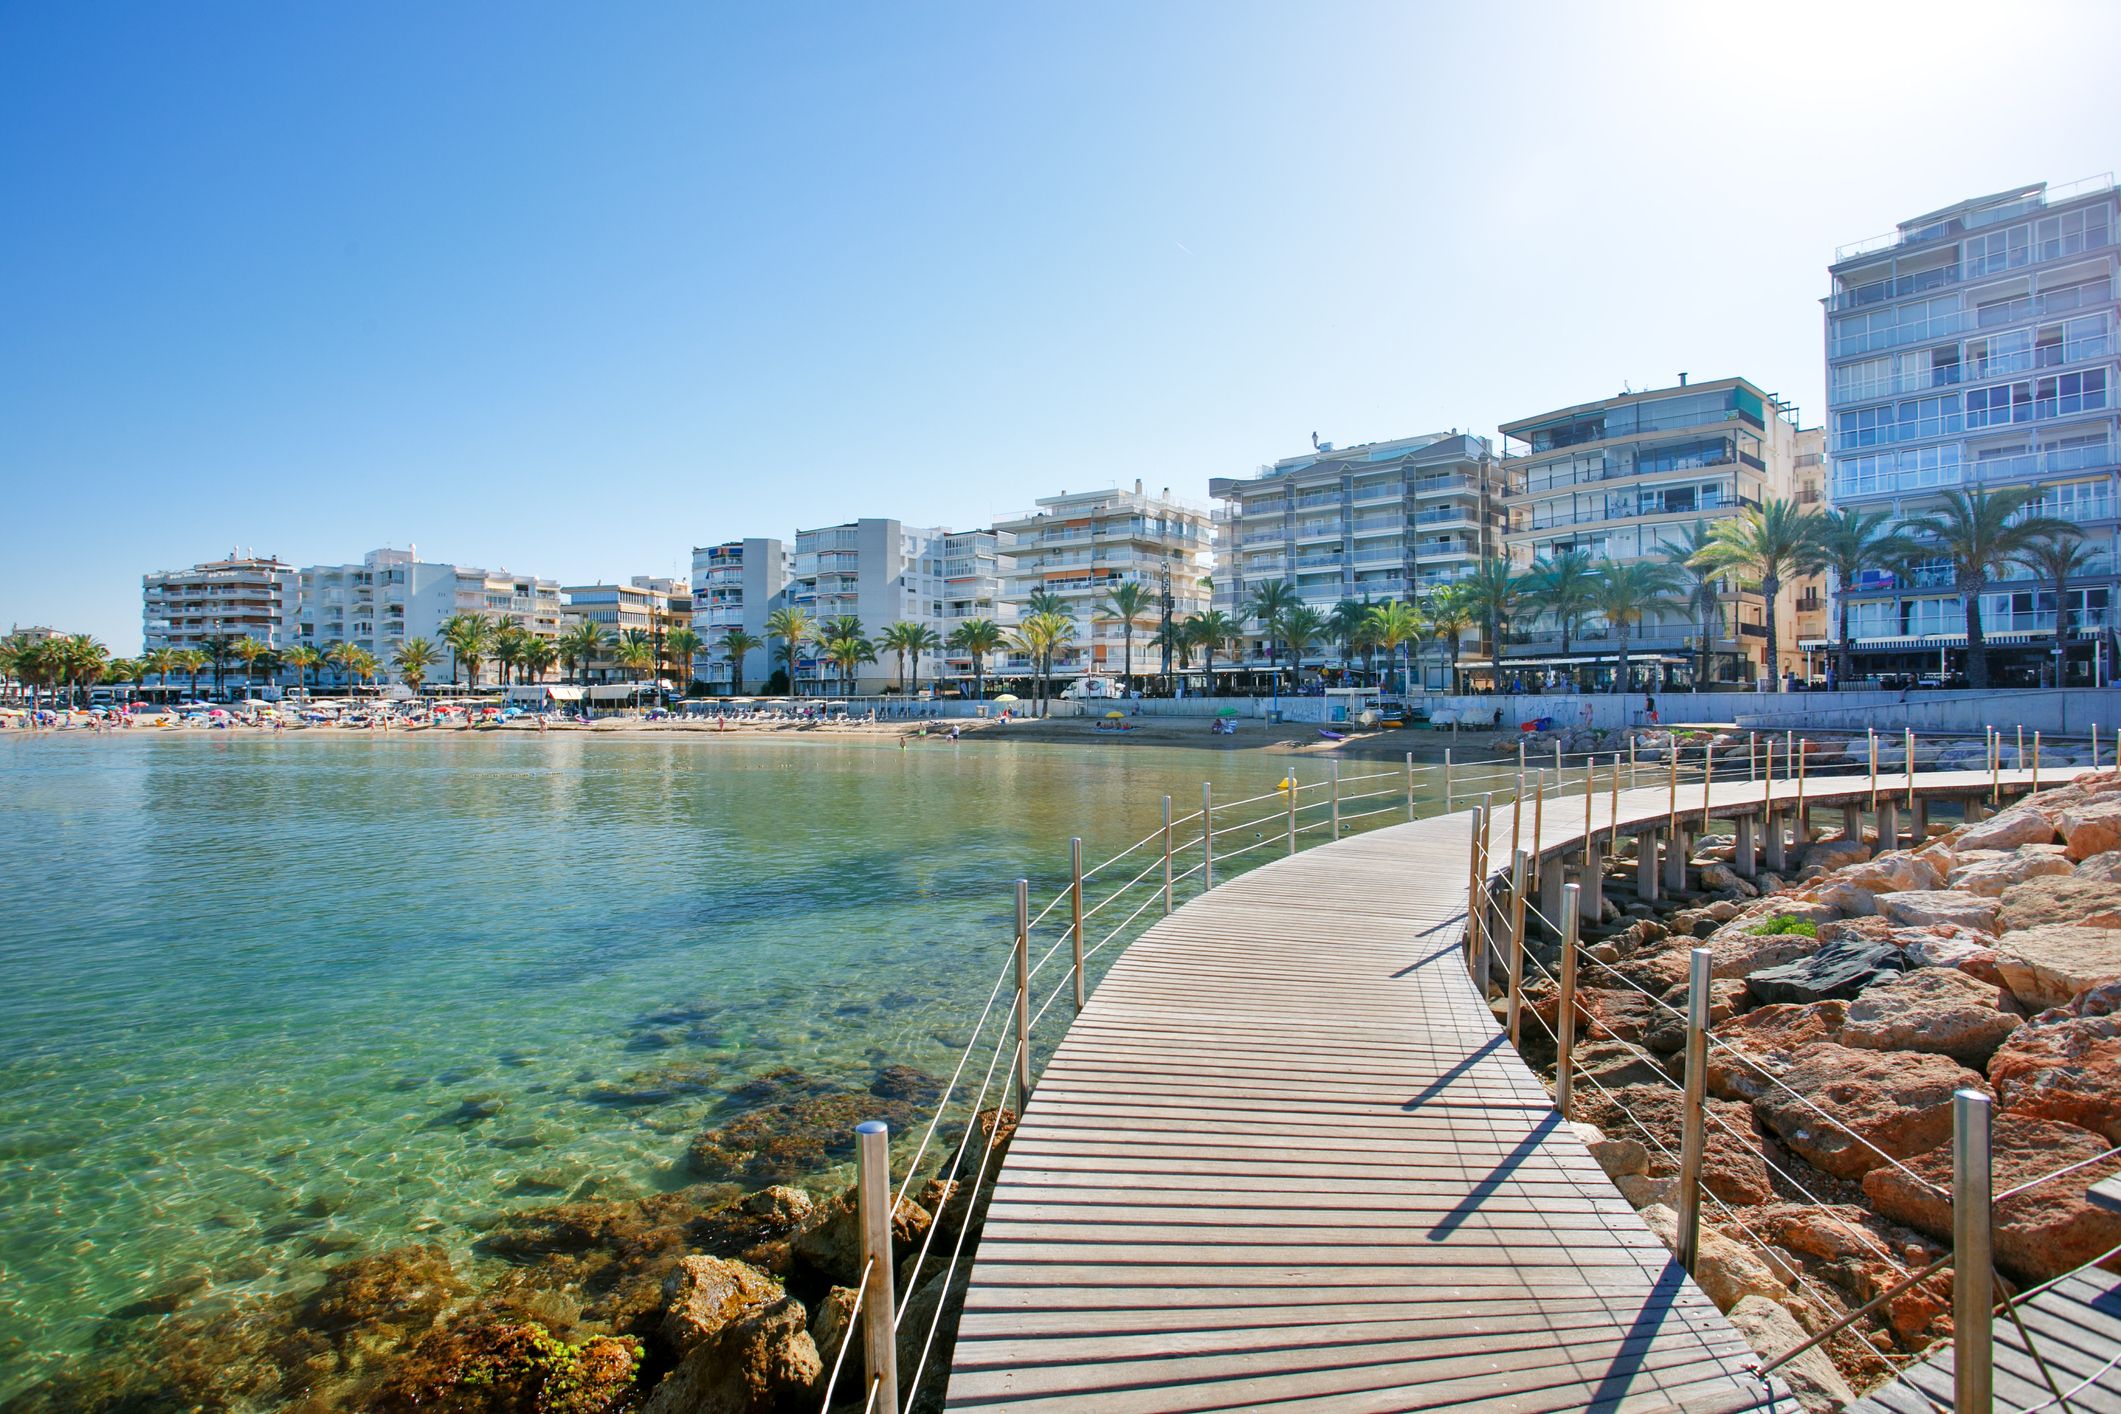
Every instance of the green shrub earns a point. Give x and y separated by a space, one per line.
1784 924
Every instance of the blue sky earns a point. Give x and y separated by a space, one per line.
573 288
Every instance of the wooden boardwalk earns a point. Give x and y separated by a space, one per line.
2075 1325
1286 1159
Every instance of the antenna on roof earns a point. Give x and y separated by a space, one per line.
1314 441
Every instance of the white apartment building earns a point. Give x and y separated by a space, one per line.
393 595
1974 347
736 585
242 596
976 564
1621 478
878 571
1381 521
1081 546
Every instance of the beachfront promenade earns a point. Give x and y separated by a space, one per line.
1285 1156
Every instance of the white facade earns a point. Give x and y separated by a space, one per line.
1381 521
879 571
736 585
1975 348
1081 546
393 595
243 596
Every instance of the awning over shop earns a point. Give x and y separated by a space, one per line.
1932 642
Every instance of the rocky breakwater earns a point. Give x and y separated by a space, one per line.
1849 1003
716 1298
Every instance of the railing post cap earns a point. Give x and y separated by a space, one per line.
872 1126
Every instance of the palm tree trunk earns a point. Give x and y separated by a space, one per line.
1620 674
1771 588
1208 666
1976 648
1841 654
2061 629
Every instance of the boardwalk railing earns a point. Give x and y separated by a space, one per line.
1502 906
1090 909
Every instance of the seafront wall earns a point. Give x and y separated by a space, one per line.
2072 711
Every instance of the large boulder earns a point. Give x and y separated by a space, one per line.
1774 1332
1938 1009
2048 966
1836 972
742 1344
1739 948
2014 827
1927 908
1893 872
1733 1166
1833 854
1992 873
2090 829
2104 867
1768 1039
2040 1233
830 1244
2063 1067
1726 1270
1860 1255
2061 899
1882 1104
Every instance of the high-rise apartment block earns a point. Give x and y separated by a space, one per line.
394 595
1080 546
1973 348
737 585
644 604
1384 520
879 571
1628 477
242 596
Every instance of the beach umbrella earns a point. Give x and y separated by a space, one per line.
1227 712
1005 697
1115 716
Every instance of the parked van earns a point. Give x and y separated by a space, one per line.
1092 689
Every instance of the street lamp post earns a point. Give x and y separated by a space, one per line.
1164 600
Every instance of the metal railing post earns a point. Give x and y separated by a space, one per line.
1613 805
1565 1023
1410 786
1693 1116
1671 807
1973 1278
1995 767
1520 880
1075 906
1557 763
2095 746
1473 887
1708 779
2036 761
1167 854
1450 799
1590 806
1336 800
1872 733
1631 761
1520 765
1911 771
1288 784
1207 835
872 1152
1752 756
1804 817
1023 987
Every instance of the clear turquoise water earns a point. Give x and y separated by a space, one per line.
249 985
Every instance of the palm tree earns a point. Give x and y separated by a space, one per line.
413 658
926 641
735 644
840 628
304 660
1450 612
218 647
1703 588
1349 624
846 650
1561 586
1393 623
1270 599
1301 627
635 652
681 646
1126 603
538 657
505 640
1173 637
249 650
901 638
35 663
467 636
1494 592
1767 542
1210 630
86 662
1627 593
1045 601
1851 542
362 664
161 662
2059 558
345 659
1040 636
976 638
192 661
582 645
793 628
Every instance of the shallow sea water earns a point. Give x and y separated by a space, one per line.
266 1001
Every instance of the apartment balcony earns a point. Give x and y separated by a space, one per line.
1321 530
1255 569
1260 510
1370 495
1445 486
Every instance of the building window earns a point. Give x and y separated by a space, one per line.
1991 407
2067 394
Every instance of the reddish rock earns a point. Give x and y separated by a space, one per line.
1892 872
1991 876
1734 1166
1927 908
1937 1009
2090 829
1859 1255
744 1345
2040 1233
2092 903
2106 868
2048 966
2065 1068
1896 1102
1769 1038
2014 827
